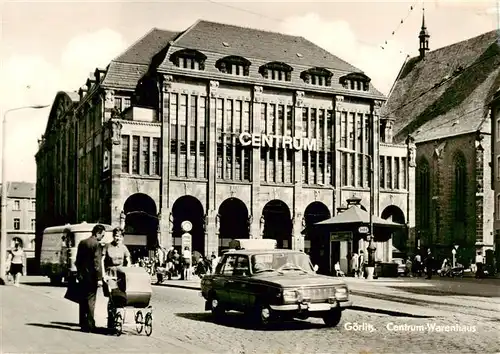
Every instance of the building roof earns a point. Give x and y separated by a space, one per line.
126 69
21 190
446 93
142 51
253 43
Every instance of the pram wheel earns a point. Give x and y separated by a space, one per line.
118 324
139 321
148 324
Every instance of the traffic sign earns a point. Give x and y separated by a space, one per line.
363 229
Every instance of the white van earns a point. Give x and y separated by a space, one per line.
59 246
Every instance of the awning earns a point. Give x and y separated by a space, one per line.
356 215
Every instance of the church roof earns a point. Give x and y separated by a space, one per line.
446 93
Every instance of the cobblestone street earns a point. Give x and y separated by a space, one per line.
36 318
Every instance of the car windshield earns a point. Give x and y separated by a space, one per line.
280 262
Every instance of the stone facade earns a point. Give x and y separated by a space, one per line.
495 169
21 209
444 230
180 156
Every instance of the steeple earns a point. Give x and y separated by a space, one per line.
423 37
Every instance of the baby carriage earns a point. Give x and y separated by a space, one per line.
130 290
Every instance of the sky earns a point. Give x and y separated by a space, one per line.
47 47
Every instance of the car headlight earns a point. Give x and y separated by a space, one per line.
290 295
341 293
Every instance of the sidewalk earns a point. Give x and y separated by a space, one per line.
37 319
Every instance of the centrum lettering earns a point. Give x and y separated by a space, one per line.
277 141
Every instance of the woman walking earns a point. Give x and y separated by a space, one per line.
17 262
115 254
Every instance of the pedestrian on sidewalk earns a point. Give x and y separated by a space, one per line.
429 264
186 256
355 264
115 254
479 265
16 261
89 274
361 264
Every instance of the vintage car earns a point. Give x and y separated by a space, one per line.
273 284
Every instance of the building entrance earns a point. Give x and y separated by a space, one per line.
234 221
277 223
141 218
189 208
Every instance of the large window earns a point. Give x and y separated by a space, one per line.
460 189
155 155
125 153
17 224
423 194
145 155
135 154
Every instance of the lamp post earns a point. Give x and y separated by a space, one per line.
3 232
370 269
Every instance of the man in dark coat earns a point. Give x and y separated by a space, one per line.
89 274
429 264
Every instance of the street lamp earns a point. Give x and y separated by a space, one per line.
371 246
3 233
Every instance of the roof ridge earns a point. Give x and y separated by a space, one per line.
335 55
135 43
250 28
183 33
457 44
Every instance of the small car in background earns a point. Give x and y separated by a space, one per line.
271 285
401 266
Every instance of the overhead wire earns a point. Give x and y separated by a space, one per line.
393 33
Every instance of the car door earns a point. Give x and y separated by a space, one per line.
222 279
239 282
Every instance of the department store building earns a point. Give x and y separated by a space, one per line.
242 132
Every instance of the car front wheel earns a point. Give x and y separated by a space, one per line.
332 318
217 308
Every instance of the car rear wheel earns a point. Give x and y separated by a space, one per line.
332 318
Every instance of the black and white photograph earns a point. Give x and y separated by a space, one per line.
250 177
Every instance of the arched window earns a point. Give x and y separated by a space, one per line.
189 59
317 76
233 65
423 194
459 195
355 81
276 71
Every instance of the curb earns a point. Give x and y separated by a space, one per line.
354 307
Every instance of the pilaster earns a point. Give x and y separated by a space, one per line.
338 108
255 207
113 142
375 144
297 211
211 228
165 236
411 205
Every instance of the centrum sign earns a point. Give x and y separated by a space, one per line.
277 141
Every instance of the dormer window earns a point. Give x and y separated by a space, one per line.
276 71
317 76
355 81
233 65
189 59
